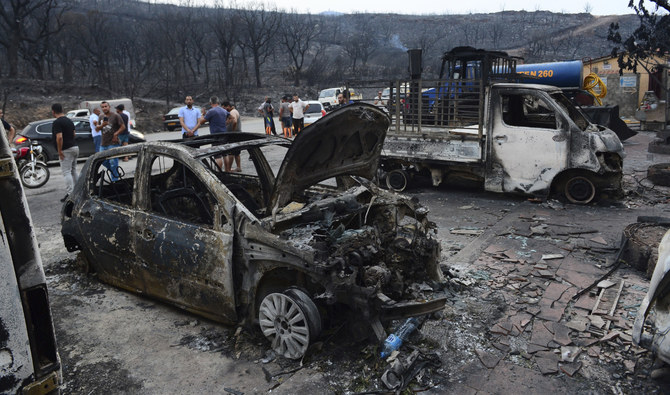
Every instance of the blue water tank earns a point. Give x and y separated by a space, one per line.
561 74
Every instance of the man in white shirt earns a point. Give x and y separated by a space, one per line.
189 118
298 108
94 121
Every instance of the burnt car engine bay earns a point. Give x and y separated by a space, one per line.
378 242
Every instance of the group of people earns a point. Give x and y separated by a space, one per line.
109 129
291 115
222 117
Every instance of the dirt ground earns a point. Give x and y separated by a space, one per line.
513 266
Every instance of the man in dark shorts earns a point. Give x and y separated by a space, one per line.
285 117
217 118
234 125
68 151
298 108
112 126
125 135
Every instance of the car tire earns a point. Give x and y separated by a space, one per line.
579 189
397 180
290 320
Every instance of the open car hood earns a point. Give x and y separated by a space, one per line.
347 141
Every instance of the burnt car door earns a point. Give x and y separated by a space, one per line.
184 238
106 219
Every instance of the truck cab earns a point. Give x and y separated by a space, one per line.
538 141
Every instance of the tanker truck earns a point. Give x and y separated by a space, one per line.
512 137
569 76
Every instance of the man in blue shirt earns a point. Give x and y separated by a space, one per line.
189 118
216 116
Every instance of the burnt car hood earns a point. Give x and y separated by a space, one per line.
345 142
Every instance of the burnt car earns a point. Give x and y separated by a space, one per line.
41 131
279 250
657 304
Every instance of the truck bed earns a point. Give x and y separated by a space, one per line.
445 144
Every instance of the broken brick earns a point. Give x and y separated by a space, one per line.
561 334
552 314
541 335
487 359
546 365
533 348
571 368
555 290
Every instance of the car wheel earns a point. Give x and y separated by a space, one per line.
579 190
397 180
290 320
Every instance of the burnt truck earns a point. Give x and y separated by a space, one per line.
509 136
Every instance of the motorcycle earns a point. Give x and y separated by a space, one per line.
33 172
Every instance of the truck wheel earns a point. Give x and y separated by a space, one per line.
659 174
290 320
579 190
397 180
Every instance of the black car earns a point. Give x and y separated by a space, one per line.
40 131
171 119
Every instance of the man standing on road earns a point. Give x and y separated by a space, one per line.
217 118
94 121
268 116
298 108
112 125
68 151
285 116
124 136
234 125
188 118
11 132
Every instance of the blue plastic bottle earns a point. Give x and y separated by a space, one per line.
395 340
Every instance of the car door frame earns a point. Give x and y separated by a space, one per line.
196 274
115 260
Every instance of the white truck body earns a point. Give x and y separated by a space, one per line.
518 138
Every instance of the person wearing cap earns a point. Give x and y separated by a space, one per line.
124 136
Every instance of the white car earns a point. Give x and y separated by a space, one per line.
314 112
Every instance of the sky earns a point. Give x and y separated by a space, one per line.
597 7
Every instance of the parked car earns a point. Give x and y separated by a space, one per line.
171 119
314 112
80 113
41 131
275 250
